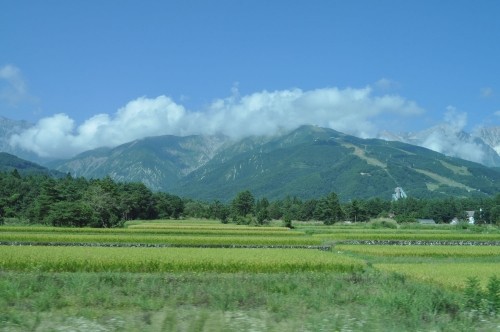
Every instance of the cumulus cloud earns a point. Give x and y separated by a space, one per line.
349 110
59 137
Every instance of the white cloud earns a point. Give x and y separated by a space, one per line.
348 110
449 138
497 113
451 145
12 86
57 136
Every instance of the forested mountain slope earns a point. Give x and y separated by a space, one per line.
9 162
158 162
307 162
312 161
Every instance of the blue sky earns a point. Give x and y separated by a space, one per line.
86 70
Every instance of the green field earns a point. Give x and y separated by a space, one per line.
423 251
198 275
449 266
445 274
100 259
205 240
424 235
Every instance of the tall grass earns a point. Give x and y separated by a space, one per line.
304 301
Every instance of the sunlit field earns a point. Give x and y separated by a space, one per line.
198 275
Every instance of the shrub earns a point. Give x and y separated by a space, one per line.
383 223
483 302
287 220
473 293
405 219
493 295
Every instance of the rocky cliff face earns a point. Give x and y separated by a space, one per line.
158 162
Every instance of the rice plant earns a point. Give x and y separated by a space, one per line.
98 259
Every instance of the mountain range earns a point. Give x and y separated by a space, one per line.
307 162
159 162
481 146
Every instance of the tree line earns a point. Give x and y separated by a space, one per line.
244 208
80 202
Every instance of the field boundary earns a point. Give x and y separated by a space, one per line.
421 242
164 245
